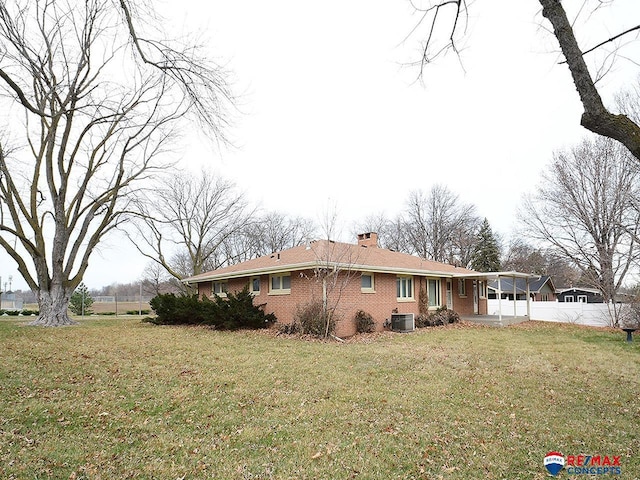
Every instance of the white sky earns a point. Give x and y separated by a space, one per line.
331 115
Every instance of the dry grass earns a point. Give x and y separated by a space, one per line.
116 398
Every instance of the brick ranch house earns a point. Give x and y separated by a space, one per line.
349 277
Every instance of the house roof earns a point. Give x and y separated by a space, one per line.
578 289
535 284
334 255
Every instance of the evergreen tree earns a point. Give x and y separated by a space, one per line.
486 255
81 298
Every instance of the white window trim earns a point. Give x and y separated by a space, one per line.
279 291
567 297
410 298
224 286
582 298
371 289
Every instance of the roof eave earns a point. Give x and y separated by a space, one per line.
496 275
313 265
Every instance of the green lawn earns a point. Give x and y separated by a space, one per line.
116 398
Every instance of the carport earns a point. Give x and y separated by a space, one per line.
504 309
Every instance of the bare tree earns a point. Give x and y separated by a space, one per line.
437 222
390 232
92 102
521 256
584 211
334 271
156 281
596 117
186 223
271 232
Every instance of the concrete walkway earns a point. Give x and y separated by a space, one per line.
494 320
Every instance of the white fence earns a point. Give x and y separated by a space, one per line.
594 314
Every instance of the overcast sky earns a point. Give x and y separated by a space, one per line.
329 112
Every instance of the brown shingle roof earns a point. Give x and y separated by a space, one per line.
328 253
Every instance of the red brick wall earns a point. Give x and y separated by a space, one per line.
346 293
204 289
380 304
463 305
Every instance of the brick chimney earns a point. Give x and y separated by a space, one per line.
369 239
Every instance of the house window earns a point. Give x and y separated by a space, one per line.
462 287
582 298
366 283
433 289
482 287
544 297
568 298
404 288
254 285
280 284
219 288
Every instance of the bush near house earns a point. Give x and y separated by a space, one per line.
313 318
231 313
364 322
442 316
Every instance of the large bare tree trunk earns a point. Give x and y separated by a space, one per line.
53 304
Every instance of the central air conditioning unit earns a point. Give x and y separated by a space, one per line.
402 322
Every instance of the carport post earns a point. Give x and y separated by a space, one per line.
499 299
515 299
528 300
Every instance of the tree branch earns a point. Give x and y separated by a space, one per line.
595 117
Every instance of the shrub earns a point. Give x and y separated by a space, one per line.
423 320
313 319
174 309
444 316
230 313
27 312
238 311
364 322
288 328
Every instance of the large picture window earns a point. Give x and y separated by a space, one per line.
433 289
